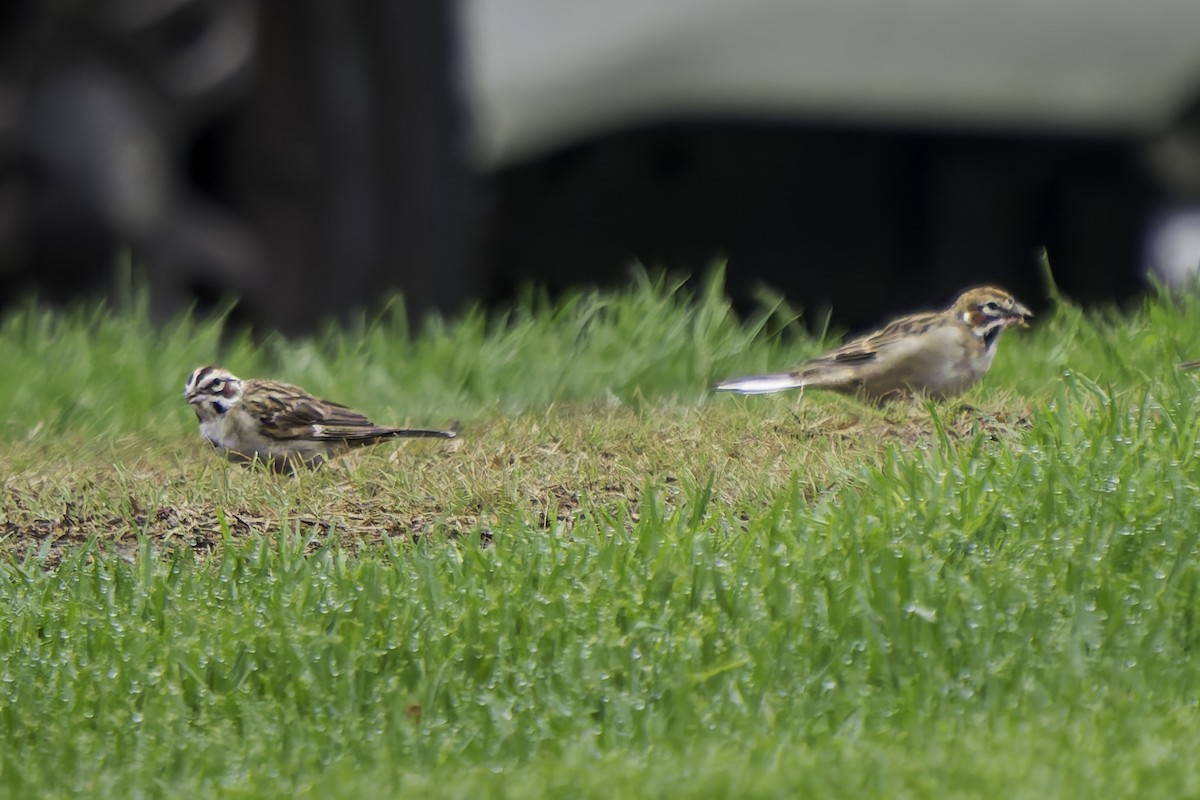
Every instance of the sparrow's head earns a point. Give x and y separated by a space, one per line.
212 391
989 310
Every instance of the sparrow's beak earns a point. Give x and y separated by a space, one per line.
192 397
1021 315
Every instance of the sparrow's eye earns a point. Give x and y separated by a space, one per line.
217 386
991 305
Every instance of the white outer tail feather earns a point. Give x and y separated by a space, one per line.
761 384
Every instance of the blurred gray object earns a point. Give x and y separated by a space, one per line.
303 157
311 157
545 73
862 154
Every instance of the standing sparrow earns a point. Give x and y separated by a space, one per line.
279 424
936 353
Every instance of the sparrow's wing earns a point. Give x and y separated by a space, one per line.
288 412
865 348
836 369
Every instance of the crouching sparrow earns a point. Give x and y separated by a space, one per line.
935 353
279 424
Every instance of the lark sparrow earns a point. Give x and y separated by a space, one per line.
936 353
278 424
1190 365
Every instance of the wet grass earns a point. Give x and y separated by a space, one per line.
614 583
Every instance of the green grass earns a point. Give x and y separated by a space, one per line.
615 584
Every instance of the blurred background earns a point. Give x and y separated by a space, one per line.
871 156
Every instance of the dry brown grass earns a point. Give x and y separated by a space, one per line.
535 470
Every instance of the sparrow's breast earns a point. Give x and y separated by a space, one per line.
942 361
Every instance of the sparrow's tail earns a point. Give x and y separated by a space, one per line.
419 433
1190 365
358 435
763 384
